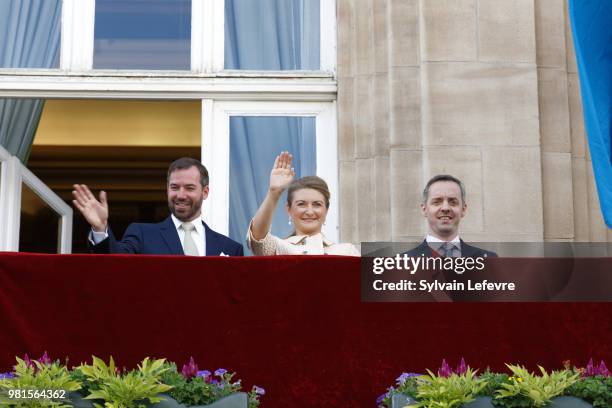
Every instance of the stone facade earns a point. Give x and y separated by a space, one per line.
486 90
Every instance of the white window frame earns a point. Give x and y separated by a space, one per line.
207 37
13 175
216 151
244 92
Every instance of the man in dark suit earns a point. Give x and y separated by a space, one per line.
444 206
182 233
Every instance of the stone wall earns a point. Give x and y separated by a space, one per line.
486 90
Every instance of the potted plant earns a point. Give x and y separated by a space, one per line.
201 388
589 387
153 384
37 383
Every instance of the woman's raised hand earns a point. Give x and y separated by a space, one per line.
282 173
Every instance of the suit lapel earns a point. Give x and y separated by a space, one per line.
468 251
212 244
426 250
170 237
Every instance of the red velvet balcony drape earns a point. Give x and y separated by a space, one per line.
294 325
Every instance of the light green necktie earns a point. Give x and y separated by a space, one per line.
189 246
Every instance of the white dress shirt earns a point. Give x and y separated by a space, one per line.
435 243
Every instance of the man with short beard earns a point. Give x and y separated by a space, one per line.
444 206
182 233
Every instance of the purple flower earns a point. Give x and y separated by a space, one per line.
220 372
45 359
445 370
6 375
461 368
402 378
259 390
205 374
381 399
190 370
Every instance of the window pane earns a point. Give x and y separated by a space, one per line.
254 143
39 228
272 34
30 33
142 34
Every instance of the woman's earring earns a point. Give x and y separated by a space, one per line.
289 221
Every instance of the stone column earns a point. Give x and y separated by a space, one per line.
485 90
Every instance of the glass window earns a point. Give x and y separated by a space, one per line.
142 34
272 34
254 143
30 33
39 229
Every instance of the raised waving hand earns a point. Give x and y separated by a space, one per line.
282 173
281 176
95 211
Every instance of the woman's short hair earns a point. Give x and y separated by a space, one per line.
313 182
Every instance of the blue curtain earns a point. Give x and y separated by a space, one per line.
272 34
30 38
254 143
592 28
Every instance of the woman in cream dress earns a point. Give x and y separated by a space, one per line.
307 205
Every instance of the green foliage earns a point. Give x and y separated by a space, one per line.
253 399
493 382
537 389
124 390
408 387
41 378
447 392
196 390
595 390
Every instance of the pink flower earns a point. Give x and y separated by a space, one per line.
45 359
591 370
461 368
190 370
603 370
445 370
28 361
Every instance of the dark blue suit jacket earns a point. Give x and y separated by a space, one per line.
163 239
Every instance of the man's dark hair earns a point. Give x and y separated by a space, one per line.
443 177
185 163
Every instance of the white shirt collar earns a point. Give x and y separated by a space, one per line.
430 238
197 223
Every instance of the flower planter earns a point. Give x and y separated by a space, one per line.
568 402
237 400
401 401
480 402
